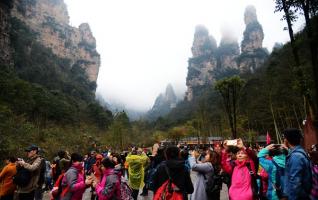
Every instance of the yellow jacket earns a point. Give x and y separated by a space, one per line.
136 170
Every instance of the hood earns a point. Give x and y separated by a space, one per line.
77 166
117 169
280 160
175 164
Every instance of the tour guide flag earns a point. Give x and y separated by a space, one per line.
268 138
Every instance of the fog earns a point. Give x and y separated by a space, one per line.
145 44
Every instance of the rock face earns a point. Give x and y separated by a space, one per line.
253 54
228 52
203 62
163 104
5 50
49 18
209 62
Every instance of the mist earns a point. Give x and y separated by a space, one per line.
146 44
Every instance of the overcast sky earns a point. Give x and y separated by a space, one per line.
145 44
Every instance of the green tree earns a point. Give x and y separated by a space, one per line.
177 133
120 130
230 88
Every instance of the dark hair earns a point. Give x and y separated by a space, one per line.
160 156
215 158
232 149
293 136
76 157
172 152
12 159
184 154
314 157
277 151
119 158
61 154
107 163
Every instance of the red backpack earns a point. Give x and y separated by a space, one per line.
168 190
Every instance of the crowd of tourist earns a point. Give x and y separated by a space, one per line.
272 172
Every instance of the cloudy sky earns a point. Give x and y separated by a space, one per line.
145 44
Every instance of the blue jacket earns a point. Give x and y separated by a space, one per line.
298 174
271 169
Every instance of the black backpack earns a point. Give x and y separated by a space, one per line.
213 185
22 177
42 172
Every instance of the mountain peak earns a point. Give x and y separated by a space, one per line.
163 103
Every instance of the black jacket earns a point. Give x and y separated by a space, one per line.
180 176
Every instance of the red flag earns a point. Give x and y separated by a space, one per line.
268 138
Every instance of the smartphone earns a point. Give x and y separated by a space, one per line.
231 143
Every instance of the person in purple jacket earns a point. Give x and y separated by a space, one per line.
74 183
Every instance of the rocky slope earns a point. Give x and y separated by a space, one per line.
50 21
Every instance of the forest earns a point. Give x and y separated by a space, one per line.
48 101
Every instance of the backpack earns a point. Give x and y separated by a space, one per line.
168 190
57 189
279 179
56 171
22 177
151 174
42 172
256 189
213 185
125 190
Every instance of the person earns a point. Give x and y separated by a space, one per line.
298 170
91 160
206 171
136 161
7 186
96 172
48 176
154 164
314 160
74 183
241 181
64 166
56 169
33 164
272 167
109 186
179 175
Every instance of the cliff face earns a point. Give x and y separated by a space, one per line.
209 62
5 50
228 52
203 62
253 54
50 20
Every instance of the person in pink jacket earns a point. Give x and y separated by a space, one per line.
241 182
74 183
109 187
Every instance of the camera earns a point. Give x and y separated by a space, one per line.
231 143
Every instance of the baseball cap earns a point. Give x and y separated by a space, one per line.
32 147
